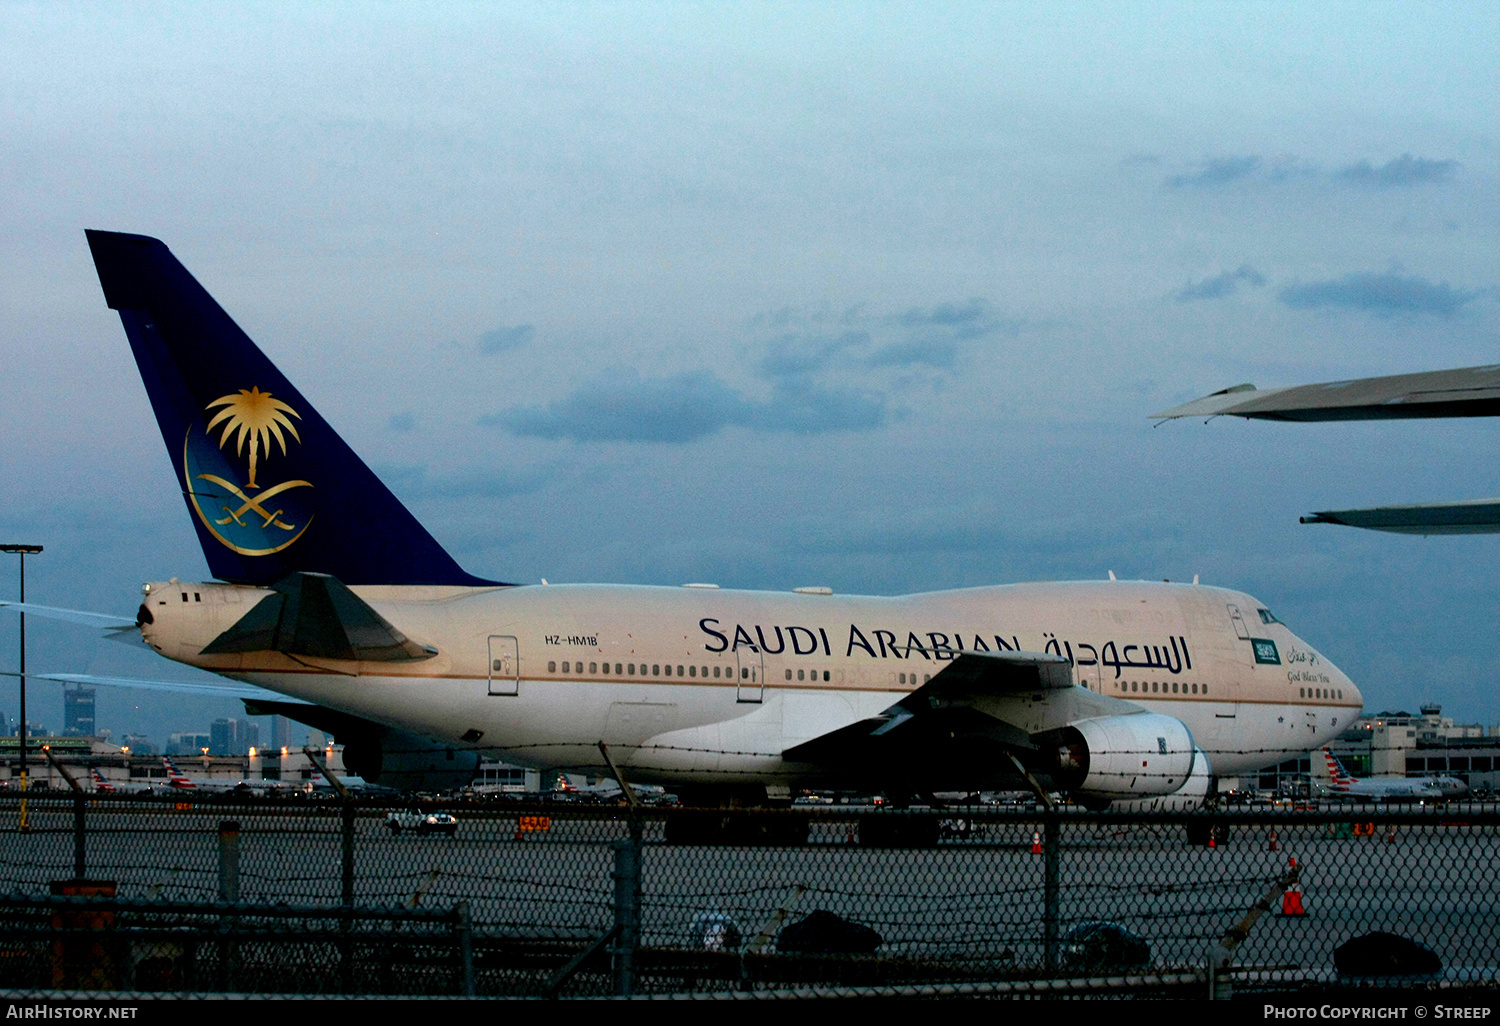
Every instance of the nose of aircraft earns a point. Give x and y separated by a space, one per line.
1343 686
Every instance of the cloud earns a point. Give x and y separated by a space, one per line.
686 407
974 318
1225 284
930 352
503 338
1402 171
627 408
1382 294
791 356
417 482
1216 172
813 372
807 409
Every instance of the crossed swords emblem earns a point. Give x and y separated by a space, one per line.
269 519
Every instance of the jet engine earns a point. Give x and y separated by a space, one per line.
1115 757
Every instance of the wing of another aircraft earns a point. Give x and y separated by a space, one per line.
1467 392
1476 516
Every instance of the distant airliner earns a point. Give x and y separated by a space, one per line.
331 592
1334 782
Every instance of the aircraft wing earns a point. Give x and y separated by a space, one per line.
943 709
1466 392
1476 516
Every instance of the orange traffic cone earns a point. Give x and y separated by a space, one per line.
1272 844
1291 898
1211 842
1036 842
1390 837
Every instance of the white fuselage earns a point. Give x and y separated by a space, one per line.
704 685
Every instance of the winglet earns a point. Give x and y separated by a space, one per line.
1211 405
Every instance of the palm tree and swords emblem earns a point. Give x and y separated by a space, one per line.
257 421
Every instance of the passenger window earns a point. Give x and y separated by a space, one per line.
552 666
705 671
655 670
800 675
669 670
692 671
679 671
788 674
825 674
565 667
593 667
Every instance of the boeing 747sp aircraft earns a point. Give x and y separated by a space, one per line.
329 592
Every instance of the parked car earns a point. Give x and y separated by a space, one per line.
422 822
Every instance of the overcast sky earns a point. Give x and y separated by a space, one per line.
872 296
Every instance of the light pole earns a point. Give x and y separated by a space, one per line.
22 550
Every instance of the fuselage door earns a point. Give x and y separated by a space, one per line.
505 665
751 686
1240 630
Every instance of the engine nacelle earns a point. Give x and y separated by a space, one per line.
1133 756
395 758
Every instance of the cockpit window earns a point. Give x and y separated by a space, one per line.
1266 616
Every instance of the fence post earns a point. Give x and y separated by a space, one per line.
1051 852
229 890
79 836
464 926
346 814
627 877
346 945
229 860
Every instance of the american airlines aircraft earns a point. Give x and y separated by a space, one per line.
329 592
1333 781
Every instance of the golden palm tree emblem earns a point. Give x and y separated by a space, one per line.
255 417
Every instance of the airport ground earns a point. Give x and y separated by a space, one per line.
538 886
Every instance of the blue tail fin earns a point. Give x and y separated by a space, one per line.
270 487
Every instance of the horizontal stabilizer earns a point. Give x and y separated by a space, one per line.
221 689
102 621
316 615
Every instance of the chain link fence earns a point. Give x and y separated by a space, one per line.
151 895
